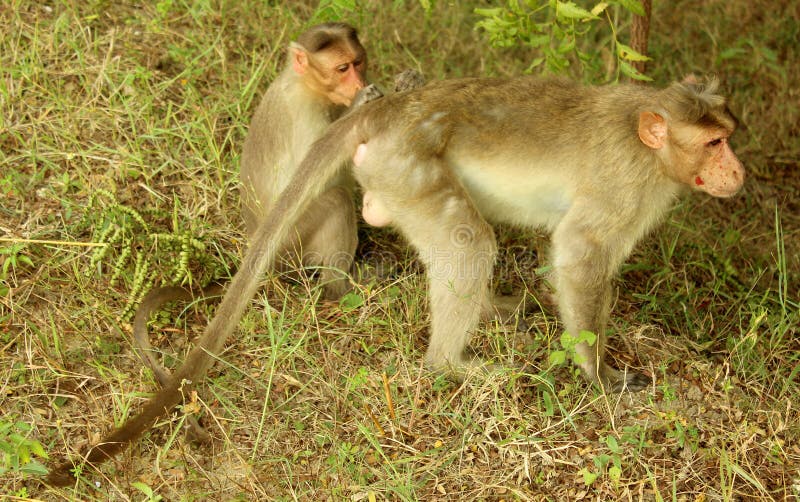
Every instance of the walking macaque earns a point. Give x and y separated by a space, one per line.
597 166
326 68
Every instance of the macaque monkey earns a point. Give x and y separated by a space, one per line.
325 70
406 80
596 166
154 299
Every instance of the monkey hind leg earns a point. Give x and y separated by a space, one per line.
329 234
508 310
458 250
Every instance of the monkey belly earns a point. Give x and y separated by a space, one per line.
374 212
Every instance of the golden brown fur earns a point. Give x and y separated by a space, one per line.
596 166
310 93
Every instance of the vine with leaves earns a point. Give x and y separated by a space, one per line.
139 256
564 34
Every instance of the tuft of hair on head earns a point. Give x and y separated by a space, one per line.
698 102
321 36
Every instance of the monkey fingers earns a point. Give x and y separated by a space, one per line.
365 95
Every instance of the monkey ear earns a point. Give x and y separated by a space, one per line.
652 130
690 79
299 59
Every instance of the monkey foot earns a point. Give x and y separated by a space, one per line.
60 476
627 380
195 431
458 369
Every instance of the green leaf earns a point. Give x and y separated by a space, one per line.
549 407
351 301
627 52
600 7
38 449
601 461
615 473
566 46
34 468
22 426
587 337
24 454
558 357
634 6
588 477
539 40
536 62
632 72
611 441
568 10
144 488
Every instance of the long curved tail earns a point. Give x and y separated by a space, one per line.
326 157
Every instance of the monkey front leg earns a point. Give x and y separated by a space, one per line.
583 272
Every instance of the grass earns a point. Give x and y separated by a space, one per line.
122 125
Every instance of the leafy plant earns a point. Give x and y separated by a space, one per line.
563 34
569 343
608 463
18 451
132 244
12 257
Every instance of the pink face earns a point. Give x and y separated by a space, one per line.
337 73
706 162
721 175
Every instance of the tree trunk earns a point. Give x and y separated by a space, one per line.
640 30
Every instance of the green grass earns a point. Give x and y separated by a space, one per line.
121 126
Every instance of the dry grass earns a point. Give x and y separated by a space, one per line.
118 116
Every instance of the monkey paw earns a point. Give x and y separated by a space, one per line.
365 95
627 380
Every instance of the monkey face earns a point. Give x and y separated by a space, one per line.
347 77
721 174
335 74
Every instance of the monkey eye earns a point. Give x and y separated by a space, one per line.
342 68
714 142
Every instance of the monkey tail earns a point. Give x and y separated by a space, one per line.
152 301
327 156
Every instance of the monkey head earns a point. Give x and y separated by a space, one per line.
331 62
690 136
